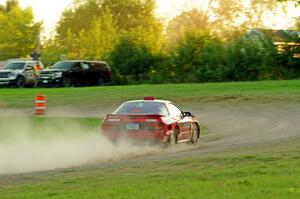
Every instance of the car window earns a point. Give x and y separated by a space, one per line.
76 66
174 111
30 65
98 65
15 66
142 108
84 65
63 65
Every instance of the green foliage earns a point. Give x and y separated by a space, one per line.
196 46
91 29
185 22
250 57
289 58
199 58
132 61
19 33
52 52
99 40
80 16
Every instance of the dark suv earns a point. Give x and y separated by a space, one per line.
75 73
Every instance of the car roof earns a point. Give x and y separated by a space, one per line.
71 61
158 101
22 61
103 62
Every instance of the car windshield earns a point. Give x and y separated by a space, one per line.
142 108
63 65
15 66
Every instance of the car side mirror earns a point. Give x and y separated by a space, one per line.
188 114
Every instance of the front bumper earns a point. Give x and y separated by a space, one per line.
49 81
7 81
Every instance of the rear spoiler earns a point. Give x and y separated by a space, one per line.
135 116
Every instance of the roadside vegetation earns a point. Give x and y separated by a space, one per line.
198 45
98 97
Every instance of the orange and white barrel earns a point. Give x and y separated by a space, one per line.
40 105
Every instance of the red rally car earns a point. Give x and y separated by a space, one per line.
151 119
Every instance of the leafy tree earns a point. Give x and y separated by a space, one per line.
199 58
131 60
80 16
52 52
137 19
99 40
289 57
185 22
219 17
250 57
19 33
297 24
91 28
226 14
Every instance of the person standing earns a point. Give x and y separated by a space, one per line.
35 55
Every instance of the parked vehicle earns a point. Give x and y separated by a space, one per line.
20 73
151 119
2 64
75 73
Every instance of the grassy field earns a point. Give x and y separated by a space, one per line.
271 172
181 93
265 171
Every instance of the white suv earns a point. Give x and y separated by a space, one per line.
19 73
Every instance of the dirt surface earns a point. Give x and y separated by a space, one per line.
229 125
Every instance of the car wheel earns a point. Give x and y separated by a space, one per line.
100 81
66 82
194 134
173 137
20 82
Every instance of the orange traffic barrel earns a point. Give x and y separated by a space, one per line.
40 105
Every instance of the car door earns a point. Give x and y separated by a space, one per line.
95 72
184 122
29 72
87 72
77 74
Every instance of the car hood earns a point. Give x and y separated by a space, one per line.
53 70
10 71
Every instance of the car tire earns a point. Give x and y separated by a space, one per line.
194 134
100 81
66 82
173 137
20 82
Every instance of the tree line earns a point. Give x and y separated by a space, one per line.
208 45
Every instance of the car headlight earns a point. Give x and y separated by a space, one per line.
12 75
58 74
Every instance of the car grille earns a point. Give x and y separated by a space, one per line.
4 75
47 74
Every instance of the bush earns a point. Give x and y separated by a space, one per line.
131 60
250 57
199 58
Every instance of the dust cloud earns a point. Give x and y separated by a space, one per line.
25 148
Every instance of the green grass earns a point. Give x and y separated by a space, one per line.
181 93
271 172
